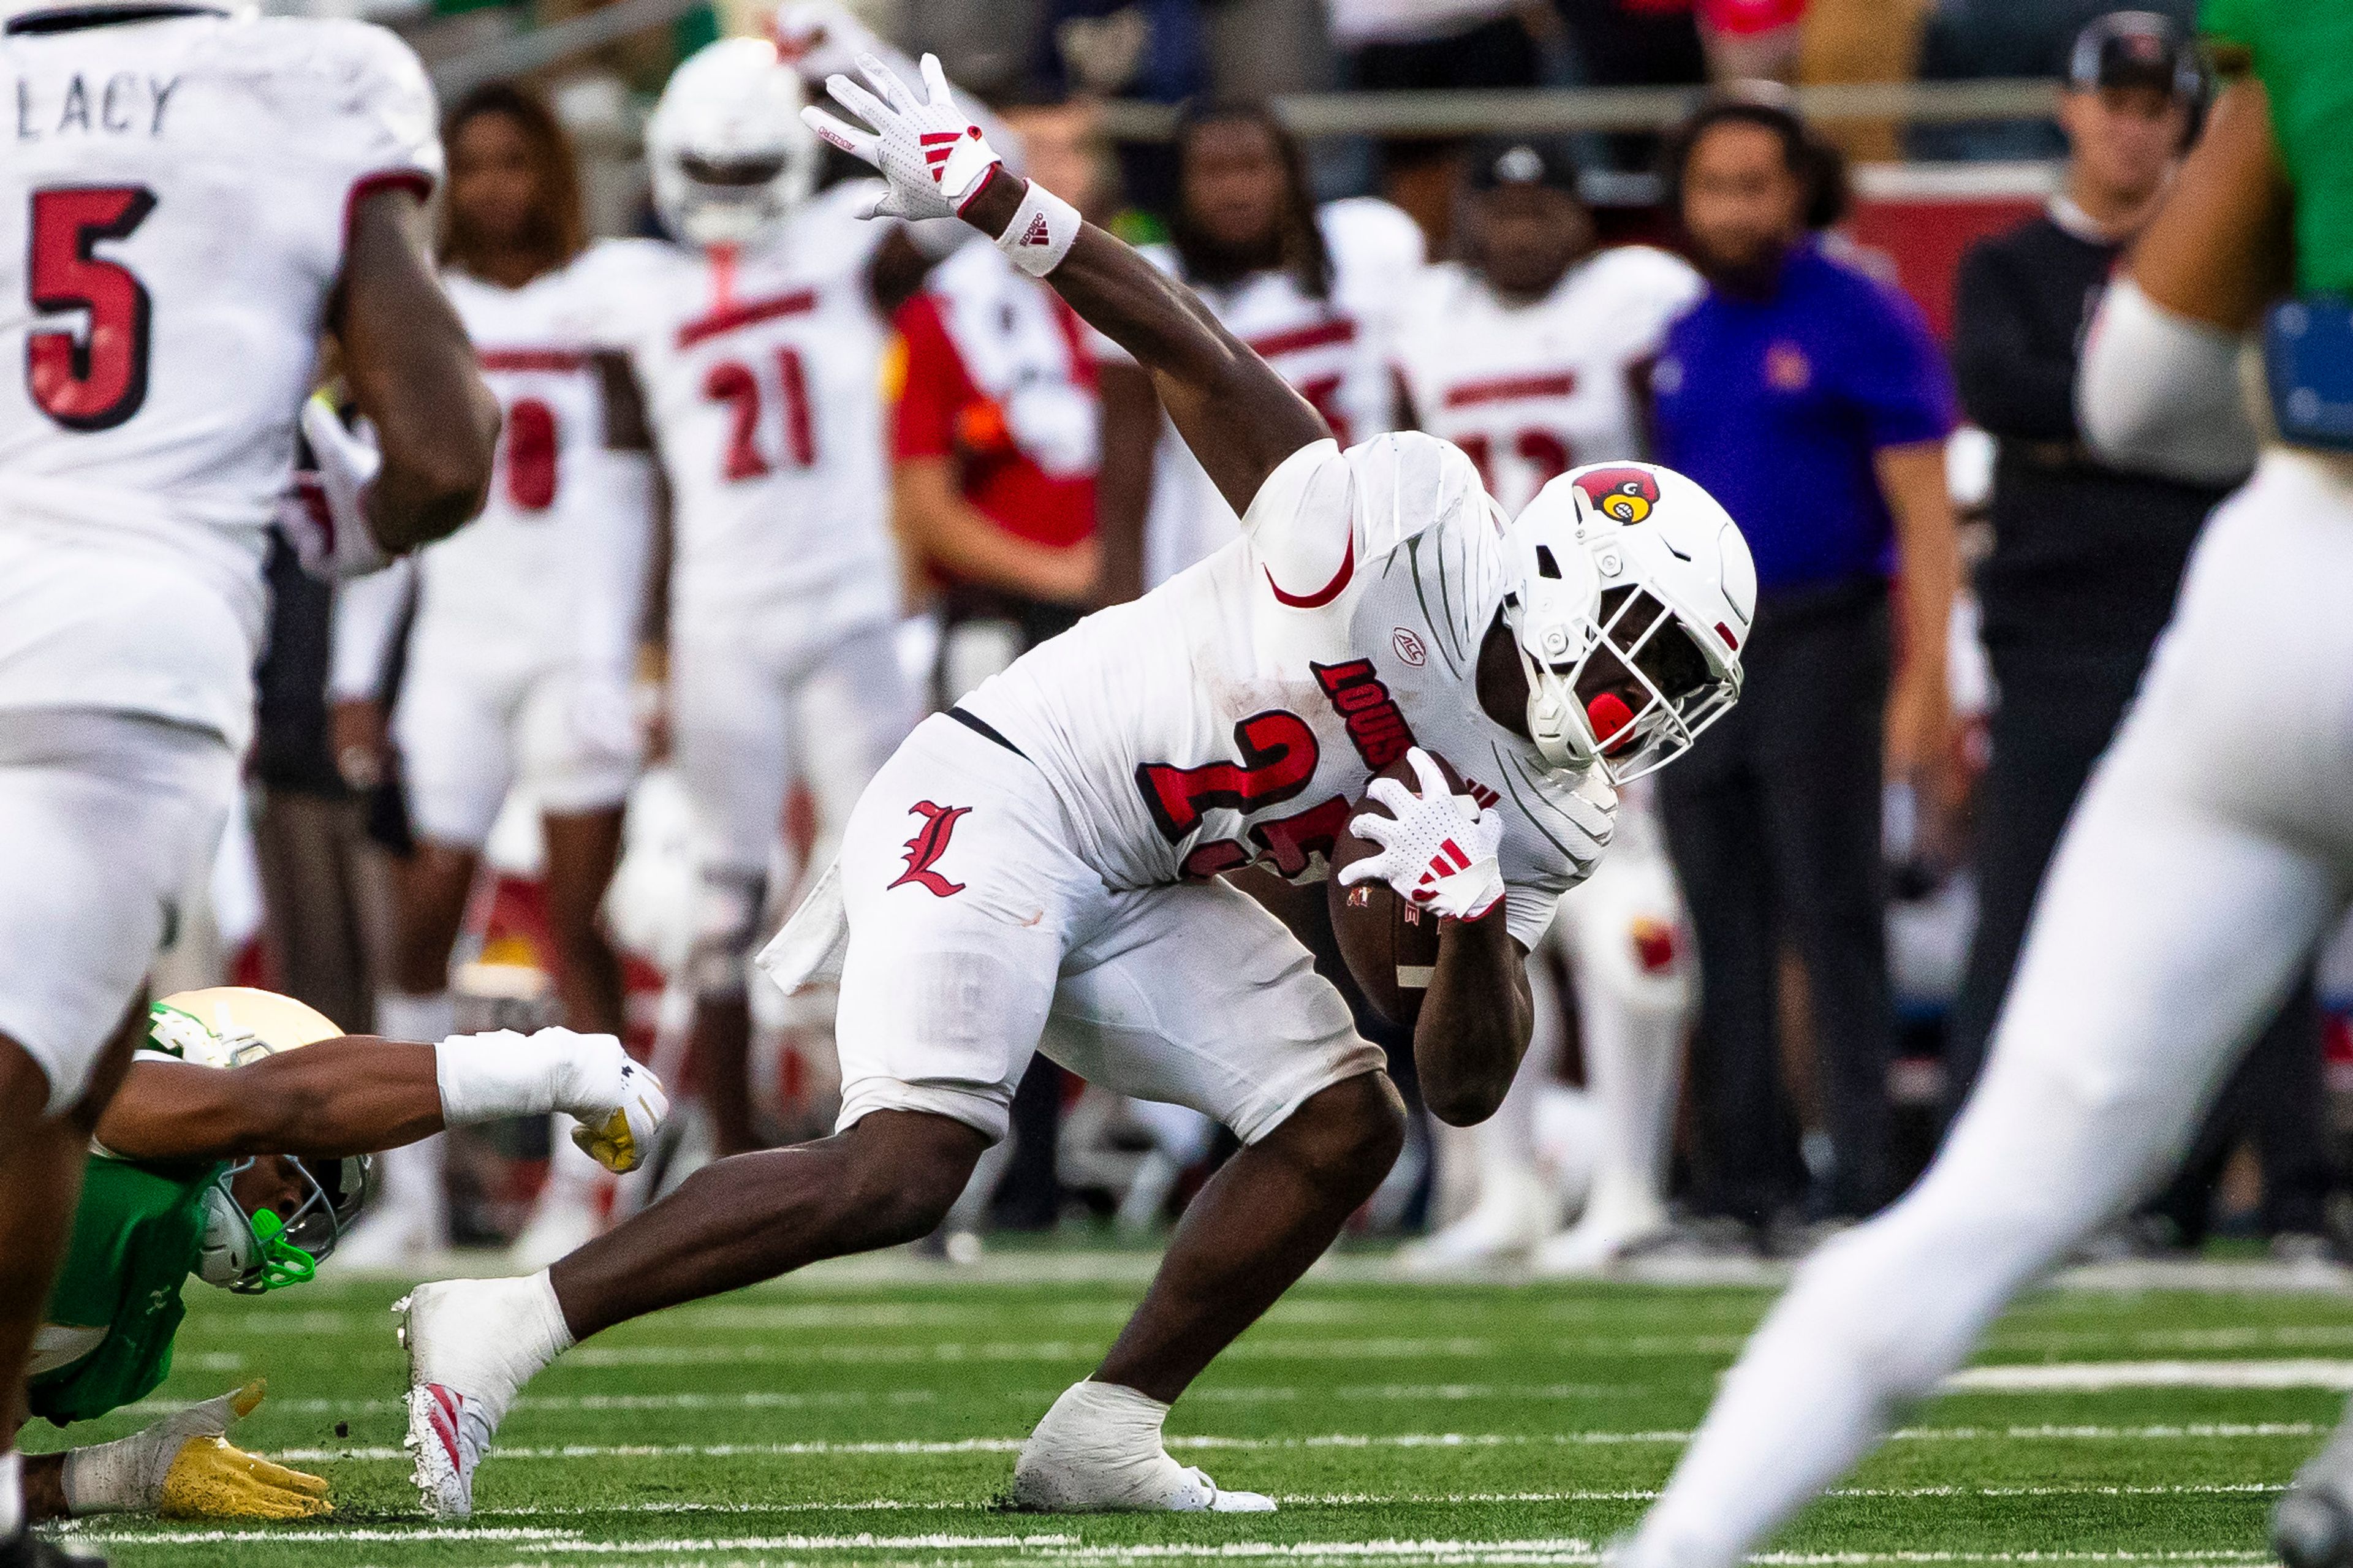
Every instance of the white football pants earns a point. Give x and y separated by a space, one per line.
2210 850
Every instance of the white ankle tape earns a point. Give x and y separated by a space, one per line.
1042 231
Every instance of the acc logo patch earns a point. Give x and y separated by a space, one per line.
1622 495
1408 647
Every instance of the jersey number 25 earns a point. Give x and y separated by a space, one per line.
96 378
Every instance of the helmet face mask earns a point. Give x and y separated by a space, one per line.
1551 613
729 155
254 1252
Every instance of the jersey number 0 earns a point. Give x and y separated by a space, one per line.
96 378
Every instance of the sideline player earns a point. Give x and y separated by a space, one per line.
521 654
235 1152
189 200
755 339
2210 850
1038 868
1311 289
1531 354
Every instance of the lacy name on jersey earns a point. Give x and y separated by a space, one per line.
121 103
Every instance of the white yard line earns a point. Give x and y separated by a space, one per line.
1068 1548
2191 1432
2098 1376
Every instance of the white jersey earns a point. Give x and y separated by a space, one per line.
1335 351
173 220
762 373
1222 720
550 546
1531 390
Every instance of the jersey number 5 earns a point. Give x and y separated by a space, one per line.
96 378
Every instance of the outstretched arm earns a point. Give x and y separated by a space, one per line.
349 1096
1238 416
1240 419
358 1094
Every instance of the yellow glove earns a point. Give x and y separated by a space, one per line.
183 1467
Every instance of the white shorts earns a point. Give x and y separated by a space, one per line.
753 707
106 819
471 724
976 936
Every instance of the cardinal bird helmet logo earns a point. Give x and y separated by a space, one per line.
1621 495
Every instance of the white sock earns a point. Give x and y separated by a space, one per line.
1112 1415
531 1335
12 1493
426 1020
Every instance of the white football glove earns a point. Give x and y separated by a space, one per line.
932 156
620 1105
1439 851
323 513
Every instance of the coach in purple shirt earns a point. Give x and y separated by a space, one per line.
1808 397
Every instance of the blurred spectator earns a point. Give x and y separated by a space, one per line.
1427 45
1965 38
1810 399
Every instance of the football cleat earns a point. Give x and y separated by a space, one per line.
1099 1451
472 1344
448 1434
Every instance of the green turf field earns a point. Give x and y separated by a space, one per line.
865 1418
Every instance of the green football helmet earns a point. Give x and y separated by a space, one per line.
257 1250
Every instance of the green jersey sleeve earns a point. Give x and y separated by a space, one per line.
135 1237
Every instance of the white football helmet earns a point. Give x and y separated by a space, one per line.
728 153
1677 595
231 1026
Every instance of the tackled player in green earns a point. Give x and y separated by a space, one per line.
236 1152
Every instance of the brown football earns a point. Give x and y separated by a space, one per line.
1390 946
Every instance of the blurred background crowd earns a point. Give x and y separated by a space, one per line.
1898 216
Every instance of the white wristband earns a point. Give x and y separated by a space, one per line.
1043 229
502 1073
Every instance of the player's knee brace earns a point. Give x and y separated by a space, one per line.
727 928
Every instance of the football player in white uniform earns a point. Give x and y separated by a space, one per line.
1313 290
756 341
1039 866
2211 850
189 200
1529 354
522 648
